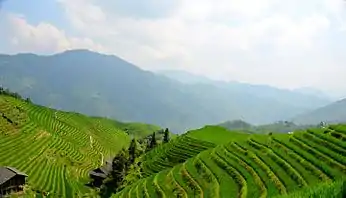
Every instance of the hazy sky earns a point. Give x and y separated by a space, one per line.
287 44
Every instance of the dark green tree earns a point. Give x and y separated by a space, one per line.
133 151
166 136
114 183
153 142
28 100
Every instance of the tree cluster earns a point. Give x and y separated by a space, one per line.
153 140
122 164
7 92
125 163
115 180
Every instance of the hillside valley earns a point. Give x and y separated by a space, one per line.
172 99
57 151
105 85
332 113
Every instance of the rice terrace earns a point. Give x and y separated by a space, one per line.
172 99
57 150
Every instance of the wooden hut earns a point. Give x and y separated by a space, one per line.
99 174
11 180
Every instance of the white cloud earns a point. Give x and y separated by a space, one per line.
43 38
267 42
197 23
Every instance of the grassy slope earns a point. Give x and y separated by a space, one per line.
216 134
180 148
335 189
53 147
247 166
135 129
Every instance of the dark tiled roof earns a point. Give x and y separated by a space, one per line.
7 173
17 171
103 171
102 175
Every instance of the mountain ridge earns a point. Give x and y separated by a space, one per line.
106 85
332 113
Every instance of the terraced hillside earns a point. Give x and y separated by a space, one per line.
247 166
184 147
56 149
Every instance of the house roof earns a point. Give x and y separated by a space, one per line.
6 173
16 171
102 175
103 171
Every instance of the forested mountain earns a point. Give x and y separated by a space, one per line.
304 97
334 113
280 126
104 85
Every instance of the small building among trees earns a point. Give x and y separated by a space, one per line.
11 181
99 174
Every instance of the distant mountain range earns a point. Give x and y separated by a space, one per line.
186 77
299 97
312 92
280 126
332 113
189 78
104 85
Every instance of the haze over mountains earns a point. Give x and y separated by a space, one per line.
102 85
189 78
335 112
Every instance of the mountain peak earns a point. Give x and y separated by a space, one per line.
79 51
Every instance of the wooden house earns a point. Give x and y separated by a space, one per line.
99 174
11 180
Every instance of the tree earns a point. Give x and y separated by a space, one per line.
133 151
28 100
322 124
119 166
153 142
114 183
166 136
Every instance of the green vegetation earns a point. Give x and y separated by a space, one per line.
335 189
231 164
7 92
126 166
216 134
239 125
57 149
136 130
109 86
280 126
174 152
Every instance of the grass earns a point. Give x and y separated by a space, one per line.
176 151
335 189
216 134
57 149
239 165
135 129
